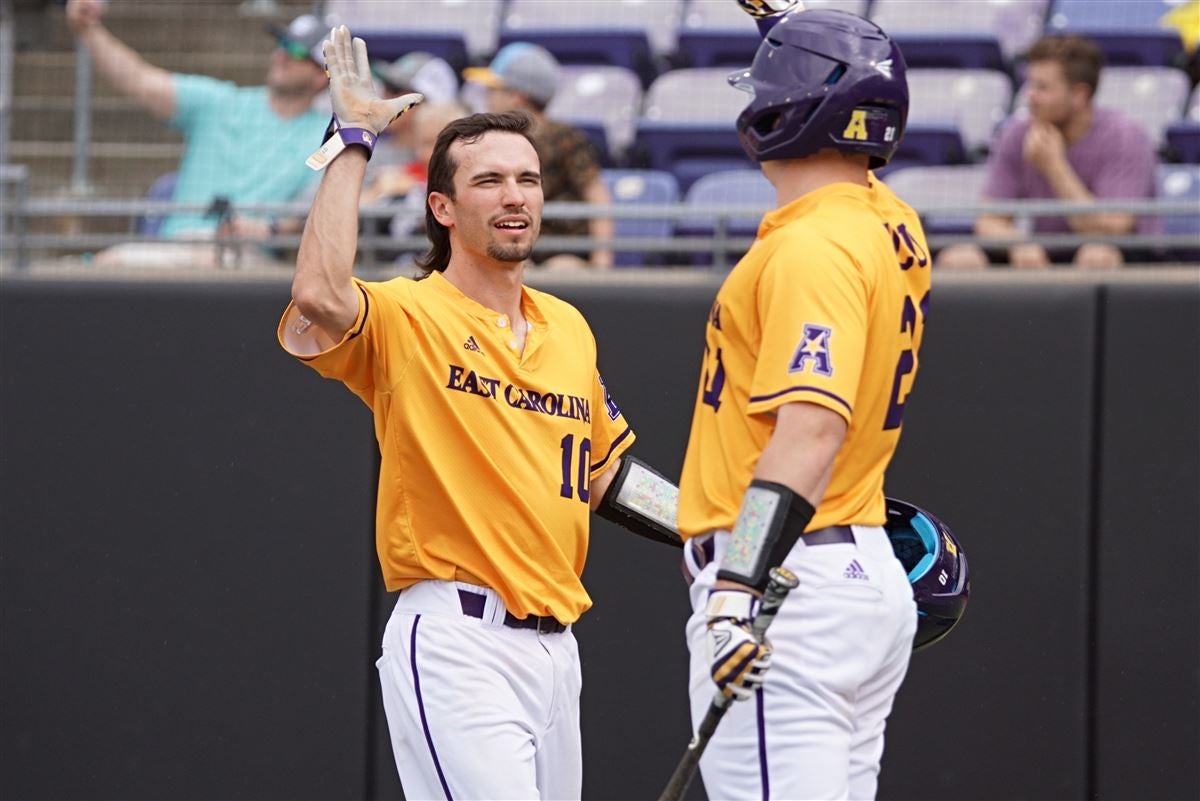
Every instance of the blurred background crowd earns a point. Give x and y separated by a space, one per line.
1040 132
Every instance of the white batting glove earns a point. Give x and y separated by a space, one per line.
738 659
351 90
766 8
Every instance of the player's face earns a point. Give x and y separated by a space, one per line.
1051 97
497 207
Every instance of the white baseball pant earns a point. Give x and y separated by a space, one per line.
842 643
475 709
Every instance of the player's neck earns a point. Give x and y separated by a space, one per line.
496 285
794 178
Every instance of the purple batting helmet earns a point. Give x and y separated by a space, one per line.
824 79
937 569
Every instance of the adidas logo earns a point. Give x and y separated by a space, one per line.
471 344
854 571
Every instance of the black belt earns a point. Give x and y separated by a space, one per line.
473 603
830 535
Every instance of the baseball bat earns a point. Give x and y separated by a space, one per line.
781 582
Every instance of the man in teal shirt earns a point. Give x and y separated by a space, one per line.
244 144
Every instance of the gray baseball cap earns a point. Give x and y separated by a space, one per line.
420 72
521 67
304 35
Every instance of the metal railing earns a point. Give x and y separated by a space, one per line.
723 246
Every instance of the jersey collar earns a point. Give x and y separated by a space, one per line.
808 203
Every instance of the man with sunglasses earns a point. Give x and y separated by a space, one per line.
243 144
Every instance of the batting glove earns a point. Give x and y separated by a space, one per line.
351 90
738 659
766 8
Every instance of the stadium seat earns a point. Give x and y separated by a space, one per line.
625 33
717 33
979 34
1181 182
973 101
745 188
688 124
163 188
929 145
1153 96
640 187
933 187
460 31
1183 141
600 100
1130 33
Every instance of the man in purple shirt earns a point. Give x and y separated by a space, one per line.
1068 150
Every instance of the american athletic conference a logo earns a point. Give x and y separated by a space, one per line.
814 349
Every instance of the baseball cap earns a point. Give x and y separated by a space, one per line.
520 67
420 72
302 38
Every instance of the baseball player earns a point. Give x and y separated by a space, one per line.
810 354
497 436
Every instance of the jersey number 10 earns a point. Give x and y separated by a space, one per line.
584 471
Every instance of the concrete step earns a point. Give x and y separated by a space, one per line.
50 74
114 119
180 25
121 169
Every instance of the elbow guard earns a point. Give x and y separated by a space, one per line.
643 501
771 520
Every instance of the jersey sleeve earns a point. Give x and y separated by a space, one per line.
195 96
372 352
812 312
611 434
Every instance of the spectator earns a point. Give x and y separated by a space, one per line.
1067 150
396 153
245 145
406 182
524 77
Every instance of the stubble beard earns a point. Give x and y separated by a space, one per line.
509 253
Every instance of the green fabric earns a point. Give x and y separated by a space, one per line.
237 147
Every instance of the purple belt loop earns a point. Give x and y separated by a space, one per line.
473 604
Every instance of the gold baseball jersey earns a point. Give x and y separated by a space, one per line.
827 307
487 454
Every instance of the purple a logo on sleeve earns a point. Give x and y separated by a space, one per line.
814 348
609 404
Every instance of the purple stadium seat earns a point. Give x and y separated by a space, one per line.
688 124
933 187
1129 33
640 187
717 33
973 101
461 31
725 189
980 34
626 33
603 102
1181 182
1183 141
163 188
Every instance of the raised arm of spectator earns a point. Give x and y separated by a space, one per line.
600 227
120 65
1046 149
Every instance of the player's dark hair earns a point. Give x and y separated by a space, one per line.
442 167
1081 58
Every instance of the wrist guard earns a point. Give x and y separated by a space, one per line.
771 520
643 501
338 139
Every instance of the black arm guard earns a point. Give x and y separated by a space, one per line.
772 518
641 500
